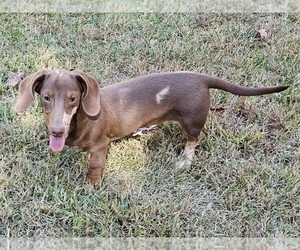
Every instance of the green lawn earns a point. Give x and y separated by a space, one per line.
245 179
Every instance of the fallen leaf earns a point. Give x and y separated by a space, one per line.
246 110
275 126
263 34
14 78
220 110
249 112
200 23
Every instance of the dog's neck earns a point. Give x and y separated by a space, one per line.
79 120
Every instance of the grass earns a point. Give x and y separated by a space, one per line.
245 177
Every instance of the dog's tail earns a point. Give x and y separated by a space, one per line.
217 83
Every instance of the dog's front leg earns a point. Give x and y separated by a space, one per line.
96 164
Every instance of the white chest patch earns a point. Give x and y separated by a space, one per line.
161 94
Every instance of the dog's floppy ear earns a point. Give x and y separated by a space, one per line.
26 90
91 93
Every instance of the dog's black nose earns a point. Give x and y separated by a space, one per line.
57 132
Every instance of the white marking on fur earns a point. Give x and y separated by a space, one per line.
161 94
67 120
60 74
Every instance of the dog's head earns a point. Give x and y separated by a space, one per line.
61 92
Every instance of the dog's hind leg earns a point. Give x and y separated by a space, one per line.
187 156
192 128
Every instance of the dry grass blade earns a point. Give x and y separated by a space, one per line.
243 182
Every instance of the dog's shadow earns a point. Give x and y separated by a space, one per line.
131 158
150 155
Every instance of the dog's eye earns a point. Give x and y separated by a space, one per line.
46 98
72 99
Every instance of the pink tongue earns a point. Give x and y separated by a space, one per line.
57 143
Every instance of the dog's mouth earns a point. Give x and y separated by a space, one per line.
59 131
57 143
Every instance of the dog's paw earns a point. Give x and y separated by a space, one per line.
182 166
88 186
92 183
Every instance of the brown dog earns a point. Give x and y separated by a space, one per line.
80 114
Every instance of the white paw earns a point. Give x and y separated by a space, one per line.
183 165
180 165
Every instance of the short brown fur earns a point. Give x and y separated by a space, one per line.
90 117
